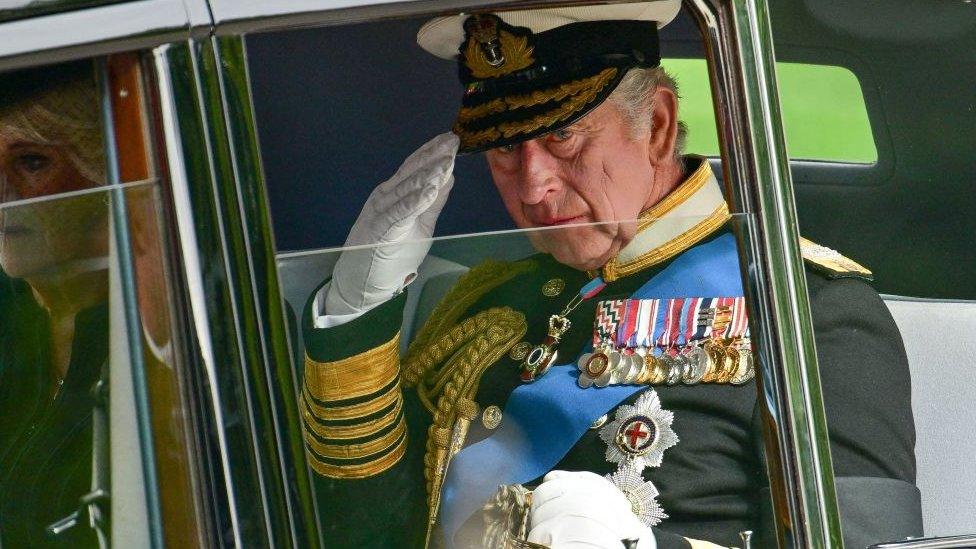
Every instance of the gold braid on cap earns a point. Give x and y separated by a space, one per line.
579 93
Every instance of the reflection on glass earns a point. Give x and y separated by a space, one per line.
472 328
505 376
54 307
69 414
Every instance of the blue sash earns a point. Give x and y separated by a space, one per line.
545 419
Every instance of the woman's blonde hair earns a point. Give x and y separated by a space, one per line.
57 105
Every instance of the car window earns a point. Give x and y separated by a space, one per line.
337 150
93 421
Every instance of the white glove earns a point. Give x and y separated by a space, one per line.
398 218
583 509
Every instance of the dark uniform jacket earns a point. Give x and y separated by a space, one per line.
45 443
376 435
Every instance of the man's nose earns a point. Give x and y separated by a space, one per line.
538 175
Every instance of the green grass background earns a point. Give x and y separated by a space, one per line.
822 106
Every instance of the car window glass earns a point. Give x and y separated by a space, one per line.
327 157
91 409
907 218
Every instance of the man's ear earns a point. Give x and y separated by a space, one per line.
664 116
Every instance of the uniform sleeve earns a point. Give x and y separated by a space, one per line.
357 425
867 397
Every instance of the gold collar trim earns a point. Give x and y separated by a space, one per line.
693 184
690 213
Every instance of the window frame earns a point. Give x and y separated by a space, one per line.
225 253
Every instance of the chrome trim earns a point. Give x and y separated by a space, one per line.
11 10
190 264
233 17
742 66
200 18
272 371
133 322
891 298
946 542
228 253
96 31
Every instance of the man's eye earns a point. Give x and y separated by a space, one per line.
33 163
561 135
507 148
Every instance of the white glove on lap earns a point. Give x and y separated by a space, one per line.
396 224
583 509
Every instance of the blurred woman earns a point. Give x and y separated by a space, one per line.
53 301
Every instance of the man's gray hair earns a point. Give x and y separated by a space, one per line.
634 95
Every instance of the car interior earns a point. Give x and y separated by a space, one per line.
339 107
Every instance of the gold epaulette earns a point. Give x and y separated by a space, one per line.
831 263
352 413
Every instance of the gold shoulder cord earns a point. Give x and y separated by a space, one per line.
448 357
477 282
464 353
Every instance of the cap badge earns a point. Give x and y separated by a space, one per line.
492 50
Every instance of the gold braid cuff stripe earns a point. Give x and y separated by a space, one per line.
360 470
612 271
510 129
356 430
692 185
537 97
354 411
359 450
357 376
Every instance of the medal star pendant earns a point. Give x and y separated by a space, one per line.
641 494
543 355
639 433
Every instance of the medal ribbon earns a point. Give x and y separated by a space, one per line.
739 326
721 322
610 316
672 323
689 317
676 323
648 323
703 318
543 420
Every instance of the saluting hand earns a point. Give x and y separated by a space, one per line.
395 226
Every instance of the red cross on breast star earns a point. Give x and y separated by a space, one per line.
636 435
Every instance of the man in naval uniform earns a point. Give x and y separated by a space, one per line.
599 393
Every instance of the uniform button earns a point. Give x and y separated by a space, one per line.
520 351
553 287
491 417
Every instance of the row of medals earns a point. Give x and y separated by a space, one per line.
712 361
